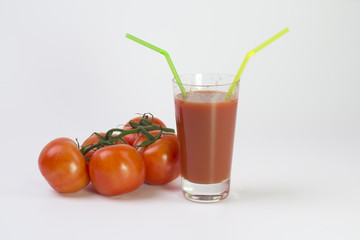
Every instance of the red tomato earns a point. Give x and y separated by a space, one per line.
130 138
63 166
162 159
93 139
116 169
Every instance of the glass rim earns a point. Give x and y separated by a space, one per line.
206 85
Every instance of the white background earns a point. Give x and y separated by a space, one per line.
67 70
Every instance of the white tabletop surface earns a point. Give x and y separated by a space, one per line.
67 70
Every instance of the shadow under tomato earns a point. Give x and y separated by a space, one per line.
88 191
147 191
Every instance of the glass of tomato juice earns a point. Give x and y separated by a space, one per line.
205 122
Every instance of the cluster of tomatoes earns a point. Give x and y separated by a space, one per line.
117 168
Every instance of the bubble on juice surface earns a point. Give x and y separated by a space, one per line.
204 97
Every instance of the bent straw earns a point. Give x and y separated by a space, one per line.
167 56
247 57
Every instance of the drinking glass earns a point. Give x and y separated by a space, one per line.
205 121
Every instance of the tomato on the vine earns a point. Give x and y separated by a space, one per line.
116 169
93 139
162 158
130 138
64 166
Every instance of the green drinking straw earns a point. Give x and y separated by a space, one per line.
247 57
167 56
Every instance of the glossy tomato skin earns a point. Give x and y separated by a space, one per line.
116 169
93 139
162 159
130 138
63 166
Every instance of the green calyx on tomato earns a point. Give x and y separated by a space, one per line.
130 138
116 135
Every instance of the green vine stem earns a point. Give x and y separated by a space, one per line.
115 135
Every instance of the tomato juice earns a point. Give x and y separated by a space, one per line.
205 126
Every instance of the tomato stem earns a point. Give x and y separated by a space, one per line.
144 127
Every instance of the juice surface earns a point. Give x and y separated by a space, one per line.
206 126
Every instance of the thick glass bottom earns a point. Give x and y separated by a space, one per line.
205 193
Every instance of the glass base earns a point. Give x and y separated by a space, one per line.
205 193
